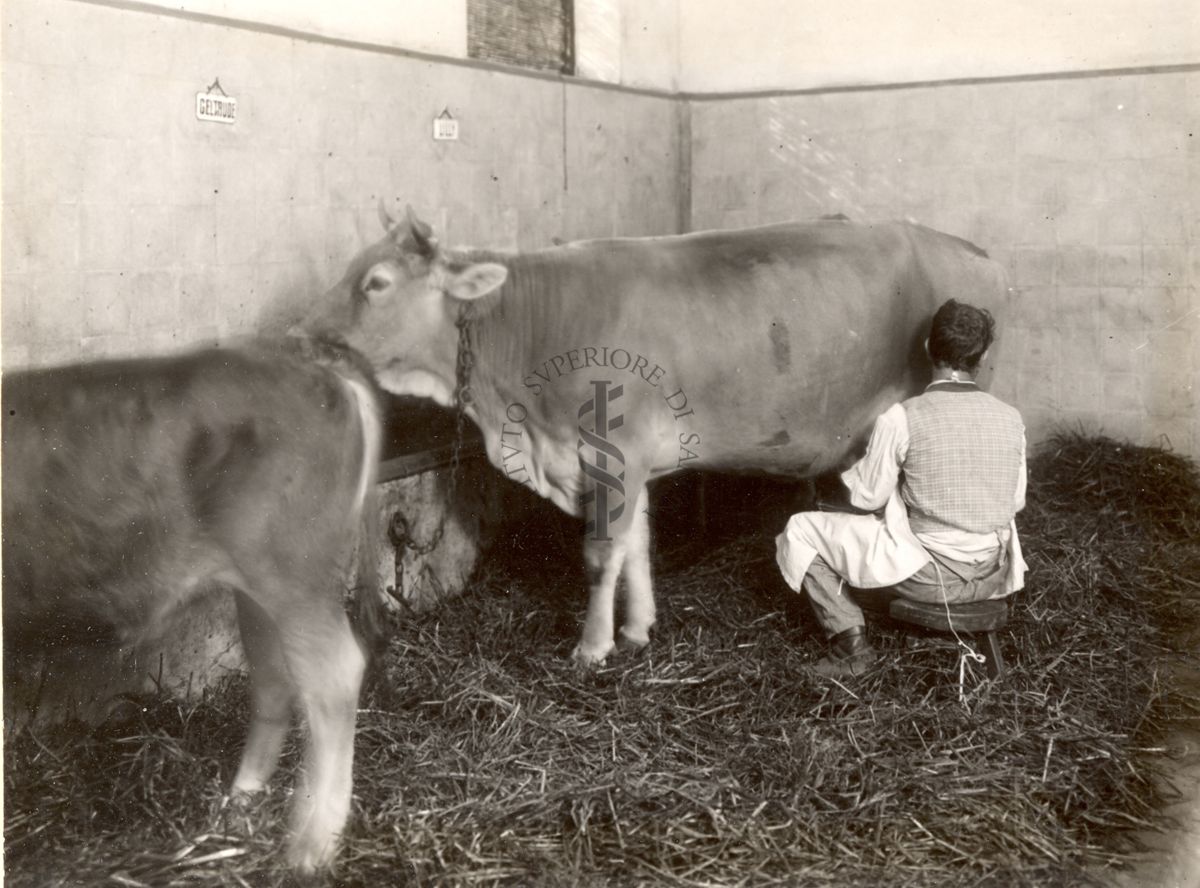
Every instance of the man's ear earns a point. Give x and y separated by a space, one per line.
927 354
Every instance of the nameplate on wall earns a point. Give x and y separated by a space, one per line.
445 127
215 106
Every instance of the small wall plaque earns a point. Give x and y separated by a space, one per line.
214 105
445 127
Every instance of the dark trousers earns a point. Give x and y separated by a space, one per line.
838 605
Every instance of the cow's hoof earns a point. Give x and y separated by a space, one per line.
588 655
631 644
307 861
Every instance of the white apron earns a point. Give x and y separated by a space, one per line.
869 552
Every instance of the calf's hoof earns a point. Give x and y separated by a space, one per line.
240 815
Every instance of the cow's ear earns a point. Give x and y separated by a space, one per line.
475 280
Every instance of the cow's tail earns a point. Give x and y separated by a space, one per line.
367 612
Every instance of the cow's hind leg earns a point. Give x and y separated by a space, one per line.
639 589
271 697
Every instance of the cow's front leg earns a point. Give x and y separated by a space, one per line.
611 519
603 560
639 588
613 483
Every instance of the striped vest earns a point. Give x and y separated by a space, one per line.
964 460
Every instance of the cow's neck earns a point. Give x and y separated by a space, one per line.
509 417
506 327
497 336
493 397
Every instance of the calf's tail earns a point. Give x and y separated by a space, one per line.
368 613
368 617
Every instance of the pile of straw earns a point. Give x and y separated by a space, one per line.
714 758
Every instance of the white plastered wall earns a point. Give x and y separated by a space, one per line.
1061 136
798 44
439 27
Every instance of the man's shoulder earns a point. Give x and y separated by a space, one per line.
929 402
894 416
1002 406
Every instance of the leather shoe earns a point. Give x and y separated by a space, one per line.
849 655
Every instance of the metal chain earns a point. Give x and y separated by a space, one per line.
463 365
399 530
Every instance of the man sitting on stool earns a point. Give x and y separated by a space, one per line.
947 469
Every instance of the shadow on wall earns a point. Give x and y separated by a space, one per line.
812 164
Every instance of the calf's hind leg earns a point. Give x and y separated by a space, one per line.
271 696
297 607
328 666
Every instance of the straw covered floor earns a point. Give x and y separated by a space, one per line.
712 758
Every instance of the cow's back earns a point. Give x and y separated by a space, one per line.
128 484
787 340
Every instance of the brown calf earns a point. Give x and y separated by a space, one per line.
130 486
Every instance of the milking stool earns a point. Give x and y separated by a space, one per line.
973 618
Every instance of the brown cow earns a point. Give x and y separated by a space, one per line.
598 366
130 486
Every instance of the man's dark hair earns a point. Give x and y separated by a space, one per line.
960 334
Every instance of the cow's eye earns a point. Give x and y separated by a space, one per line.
376 283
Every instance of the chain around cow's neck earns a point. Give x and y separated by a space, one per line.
400 532
464 359
463 364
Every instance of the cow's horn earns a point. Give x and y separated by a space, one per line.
385 218
422 231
